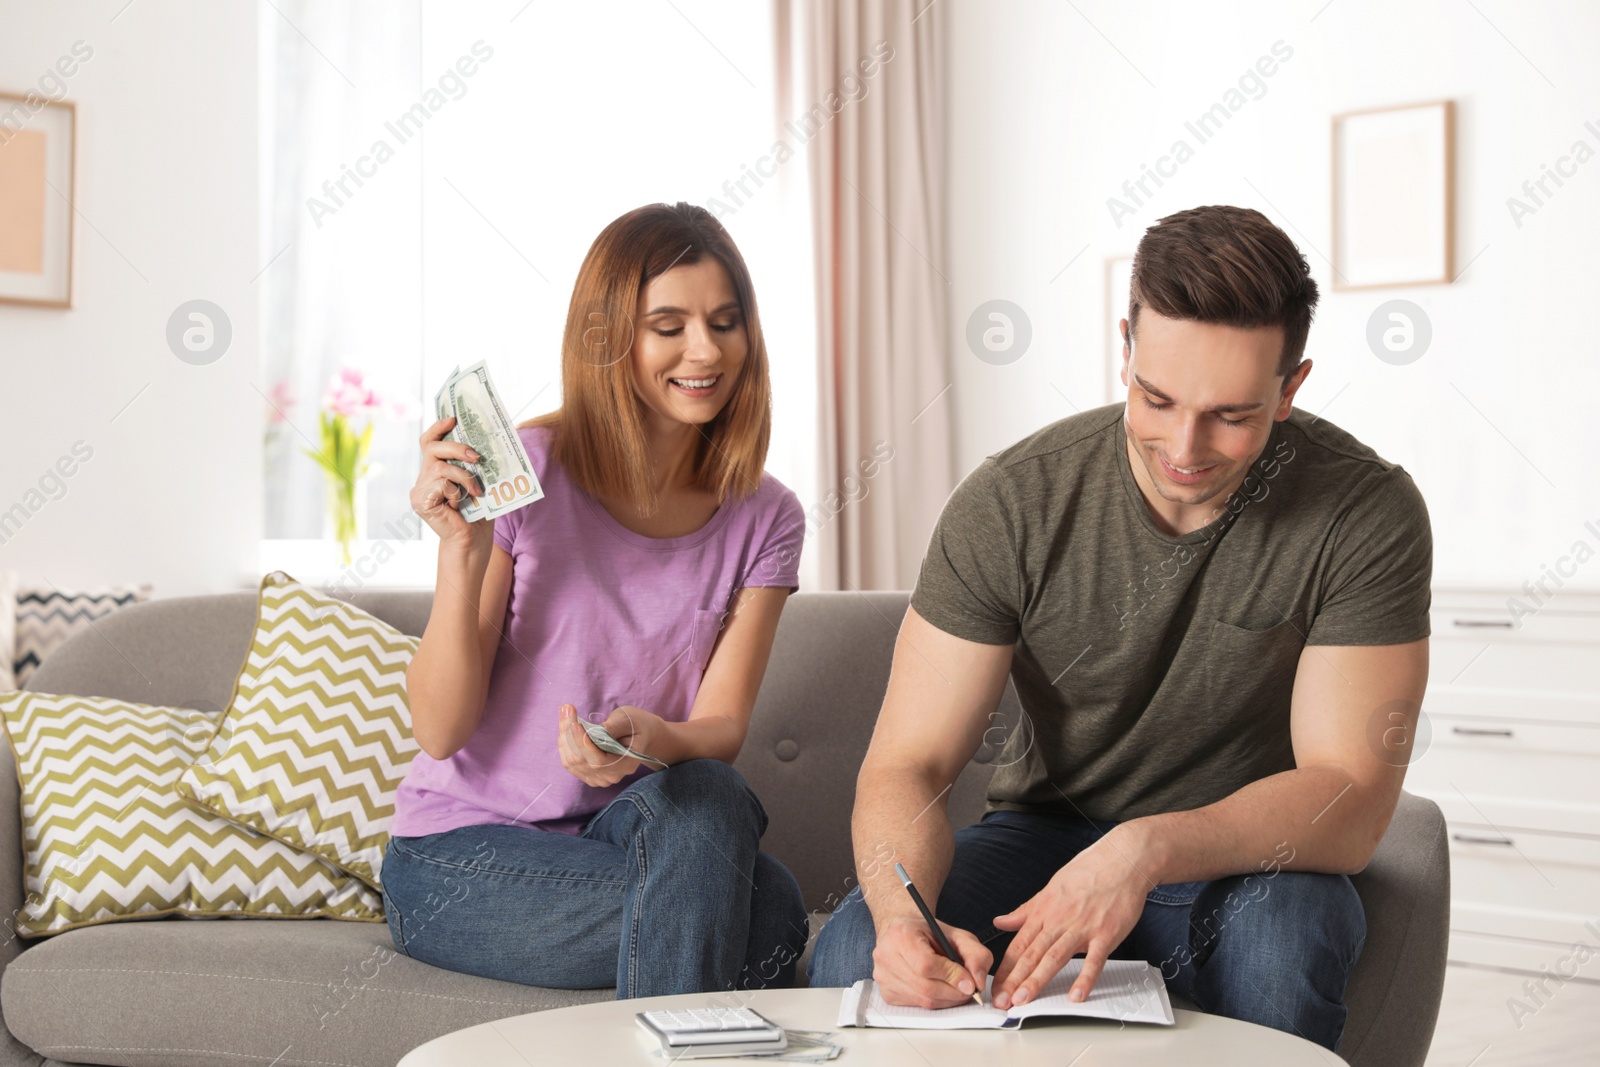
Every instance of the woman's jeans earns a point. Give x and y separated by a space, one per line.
665 891
1270 948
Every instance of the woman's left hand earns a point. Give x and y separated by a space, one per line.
591 764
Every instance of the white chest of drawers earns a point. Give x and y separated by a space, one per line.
1511 753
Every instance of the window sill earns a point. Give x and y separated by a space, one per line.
374 564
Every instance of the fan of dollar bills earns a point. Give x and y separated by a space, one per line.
481 423
606 743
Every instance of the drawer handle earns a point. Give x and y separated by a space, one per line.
1479 731
1483 624
1473 839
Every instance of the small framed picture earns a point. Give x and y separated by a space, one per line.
1119 276
37 146
1393 196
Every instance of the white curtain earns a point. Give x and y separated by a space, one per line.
510 180
343 283
872 91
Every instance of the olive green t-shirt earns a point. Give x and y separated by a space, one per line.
1154 672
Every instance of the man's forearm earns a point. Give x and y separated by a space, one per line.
900 817
1307 819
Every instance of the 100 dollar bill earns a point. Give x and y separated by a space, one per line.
481 423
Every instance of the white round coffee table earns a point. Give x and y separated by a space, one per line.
606 1033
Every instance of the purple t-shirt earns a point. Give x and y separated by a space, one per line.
599 616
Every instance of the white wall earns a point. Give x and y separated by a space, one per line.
168 186
166 195
1048 120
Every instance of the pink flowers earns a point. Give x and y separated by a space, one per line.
280 401
349 395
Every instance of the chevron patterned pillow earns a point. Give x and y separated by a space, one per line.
317 737
106 838
8 630
47 616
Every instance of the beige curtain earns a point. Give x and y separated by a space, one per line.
866 100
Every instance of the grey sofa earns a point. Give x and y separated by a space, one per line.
328 994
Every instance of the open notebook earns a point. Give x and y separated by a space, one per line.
1128 990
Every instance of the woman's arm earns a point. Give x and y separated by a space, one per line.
448 680
720 717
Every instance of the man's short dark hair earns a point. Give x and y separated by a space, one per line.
1225 265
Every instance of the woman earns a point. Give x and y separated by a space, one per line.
642 592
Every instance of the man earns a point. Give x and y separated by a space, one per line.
1215 611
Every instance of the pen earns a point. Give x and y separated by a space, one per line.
938 934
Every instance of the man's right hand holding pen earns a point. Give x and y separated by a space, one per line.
910 968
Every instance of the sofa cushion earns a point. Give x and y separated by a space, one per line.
104 836
180 992
315 994
317 737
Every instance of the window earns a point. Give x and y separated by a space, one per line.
434 174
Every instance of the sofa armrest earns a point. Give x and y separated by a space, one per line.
1394 993
13 1053
10 855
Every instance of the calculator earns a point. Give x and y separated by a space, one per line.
724 1031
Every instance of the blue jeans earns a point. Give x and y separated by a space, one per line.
1270 948
663 892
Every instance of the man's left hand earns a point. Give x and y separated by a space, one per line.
1088 906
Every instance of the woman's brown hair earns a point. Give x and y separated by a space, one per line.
598 432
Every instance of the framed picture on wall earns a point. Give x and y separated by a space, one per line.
1393 196
37 146
1119 275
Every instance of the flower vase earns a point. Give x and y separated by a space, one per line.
345 520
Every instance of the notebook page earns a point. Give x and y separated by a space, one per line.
1127 990
863 1005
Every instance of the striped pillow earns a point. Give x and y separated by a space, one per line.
317 737
46 617
8 630
106 838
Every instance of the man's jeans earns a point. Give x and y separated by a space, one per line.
663 892
1273 947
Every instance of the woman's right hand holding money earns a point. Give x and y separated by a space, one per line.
443 488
